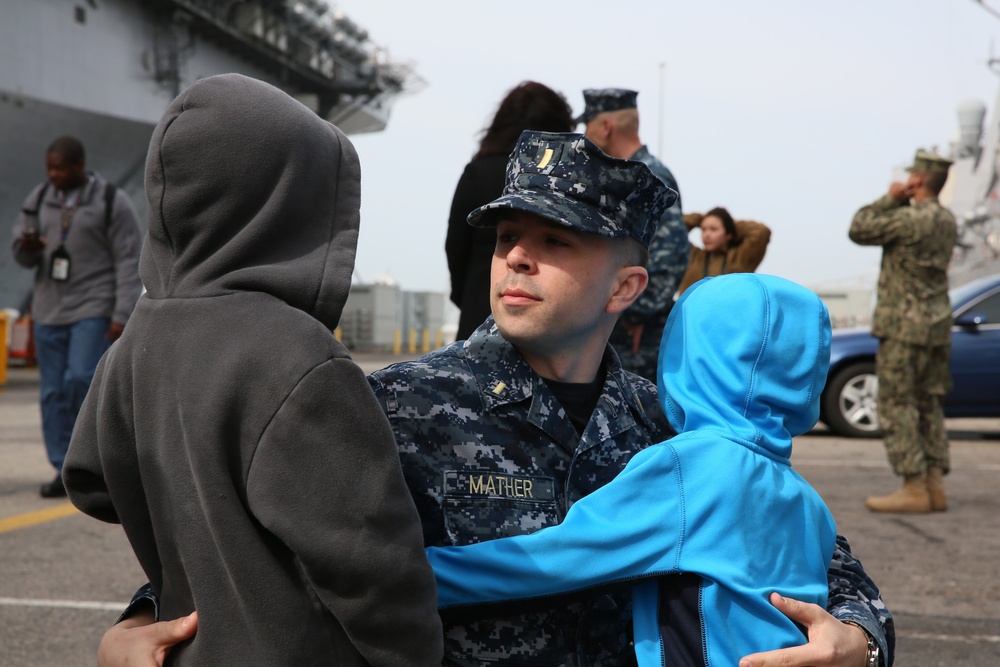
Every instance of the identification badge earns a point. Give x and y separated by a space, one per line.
60 265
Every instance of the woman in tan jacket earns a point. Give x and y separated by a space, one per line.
731 246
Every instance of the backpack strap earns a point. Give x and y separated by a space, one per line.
38 201
109 203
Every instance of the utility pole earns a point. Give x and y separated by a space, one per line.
659 143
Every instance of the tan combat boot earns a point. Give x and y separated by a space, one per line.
912 498
935 489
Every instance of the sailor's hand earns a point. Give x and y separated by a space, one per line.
831 643
139 642
900 191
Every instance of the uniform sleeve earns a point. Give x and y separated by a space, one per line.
881 223
458 242
628 528
126 243
751 244
327 482
855 598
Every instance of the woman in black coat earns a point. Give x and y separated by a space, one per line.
529 106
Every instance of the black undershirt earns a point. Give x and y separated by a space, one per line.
578 399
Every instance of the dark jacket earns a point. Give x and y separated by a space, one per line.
227 430
470 249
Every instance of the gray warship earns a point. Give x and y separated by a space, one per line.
973 190
105 70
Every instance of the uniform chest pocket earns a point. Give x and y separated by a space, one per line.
483 505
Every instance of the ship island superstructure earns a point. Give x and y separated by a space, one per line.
973 192
105 70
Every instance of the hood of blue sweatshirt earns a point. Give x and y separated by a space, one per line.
746 354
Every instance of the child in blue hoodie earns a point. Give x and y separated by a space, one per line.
718 507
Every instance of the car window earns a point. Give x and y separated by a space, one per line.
990 307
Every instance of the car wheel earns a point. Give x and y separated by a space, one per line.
849 401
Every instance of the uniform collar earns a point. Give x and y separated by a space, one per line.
504 377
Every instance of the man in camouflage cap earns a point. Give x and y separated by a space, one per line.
500 434
913 324
612 122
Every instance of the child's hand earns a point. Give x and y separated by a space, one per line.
139 642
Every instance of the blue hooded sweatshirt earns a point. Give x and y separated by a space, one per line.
718 507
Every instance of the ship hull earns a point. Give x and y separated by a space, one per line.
104 72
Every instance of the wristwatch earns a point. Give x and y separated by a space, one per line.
874 656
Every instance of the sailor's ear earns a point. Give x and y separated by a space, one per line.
630 281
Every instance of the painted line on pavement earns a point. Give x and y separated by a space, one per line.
62 604
33 518
968 639
835 463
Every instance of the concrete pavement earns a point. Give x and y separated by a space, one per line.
64 576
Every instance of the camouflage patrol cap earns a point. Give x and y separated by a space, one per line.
926 161
599 100
566 178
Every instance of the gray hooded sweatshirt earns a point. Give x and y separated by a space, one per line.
227 430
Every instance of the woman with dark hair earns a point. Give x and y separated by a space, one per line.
528 106
730 246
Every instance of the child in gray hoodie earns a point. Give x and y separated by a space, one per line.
227 430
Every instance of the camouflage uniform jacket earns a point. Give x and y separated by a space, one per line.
487 452
669 252
917 243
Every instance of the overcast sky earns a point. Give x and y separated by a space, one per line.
789 112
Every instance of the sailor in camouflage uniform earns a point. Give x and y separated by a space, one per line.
913 324
612 122
500 434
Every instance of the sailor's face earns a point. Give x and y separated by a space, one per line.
713 234
62 173
550 284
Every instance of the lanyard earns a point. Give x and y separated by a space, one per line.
66 213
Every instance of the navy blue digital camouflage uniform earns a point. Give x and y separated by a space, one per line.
487 452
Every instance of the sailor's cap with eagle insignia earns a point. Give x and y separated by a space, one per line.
566 178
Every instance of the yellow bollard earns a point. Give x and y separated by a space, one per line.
4 352
438 340
397 341
412 347
338 334
427 341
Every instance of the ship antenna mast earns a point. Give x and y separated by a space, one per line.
991 10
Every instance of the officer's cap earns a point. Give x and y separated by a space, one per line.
599 100
925 161
565 178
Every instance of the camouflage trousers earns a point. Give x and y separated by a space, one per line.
644 361
912 383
